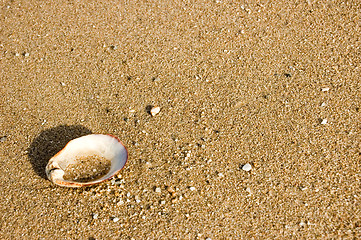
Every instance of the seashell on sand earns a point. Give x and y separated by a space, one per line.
87 160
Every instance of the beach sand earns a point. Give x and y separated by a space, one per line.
275 84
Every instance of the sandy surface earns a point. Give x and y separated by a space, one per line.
237 82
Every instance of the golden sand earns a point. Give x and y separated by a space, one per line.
87 169
237 82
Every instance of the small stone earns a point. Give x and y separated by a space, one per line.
247 167
324 121
26 54
17 54
158 190
192 188
325 89
3 138
171 190
154 111
162 202
115 219
95 216
323 104
220 175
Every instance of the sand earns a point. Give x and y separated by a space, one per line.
87 168
272 84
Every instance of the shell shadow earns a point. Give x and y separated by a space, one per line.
51 141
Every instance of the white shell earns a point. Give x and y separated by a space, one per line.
106 146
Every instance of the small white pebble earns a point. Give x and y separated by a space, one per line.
325 89
158 190
121 202
26 54
95 216
162 202
220 175
154 111
17 54
323 104
324 121
192 188
115 219
247 167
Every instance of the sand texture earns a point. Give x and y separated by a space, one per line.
273 84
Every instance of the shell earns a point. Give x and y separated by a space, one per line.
107 146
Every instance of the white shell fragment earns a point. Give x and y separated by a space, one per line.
325 89
105 146
247 167
154 111
324 121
